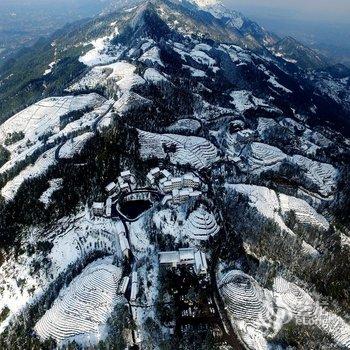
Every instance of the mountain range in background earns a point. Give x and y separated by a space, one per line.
329 35
21 23
24 22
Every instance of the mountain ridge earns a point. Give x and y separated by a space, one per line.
182 186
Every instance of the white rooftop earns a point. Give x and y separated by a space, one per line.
166 173
110 186
125 173
134 277
98 205
155 171
124 243
176 180
169 257
189 176
186 253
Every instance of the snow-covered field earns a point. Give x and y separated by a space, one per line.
118 75
273 80
42 126
73 239
237 54
273 206
74 146
303 211
152 56
19 285
258 313
43 119
261 157
244 100
336 89
301 306
83 307
309 141
196 73
250 308
168 222
130 100
200 54
42 164
185 125
197 151
102 52
153 76
139 237
321 174
54 185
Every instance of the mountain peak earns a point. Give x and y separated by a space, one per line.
204 3
145 22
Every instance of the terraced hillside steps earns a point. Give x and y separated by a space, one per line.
244 296
266 155
201 225
197 151
84 306
275 206
321 174
248 307
303 308
260 313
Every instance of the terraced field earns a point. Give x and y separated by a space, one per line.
42 119
259 313
321 174
302 307
249 307
262 155
84 306
197 151
201 225
273 205
37 130
303 211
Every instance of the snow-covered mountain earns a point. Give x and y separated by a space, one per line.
170 172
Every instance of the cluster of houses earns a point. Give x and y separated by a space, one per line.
185 256
126 182
176 189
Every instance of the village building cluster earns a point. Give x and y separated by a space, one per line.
174 190
185 256
126 182
178 189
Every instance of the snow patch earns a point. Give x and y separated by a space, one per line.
54 185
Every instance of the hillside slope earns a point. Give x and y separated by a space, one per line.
170 181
